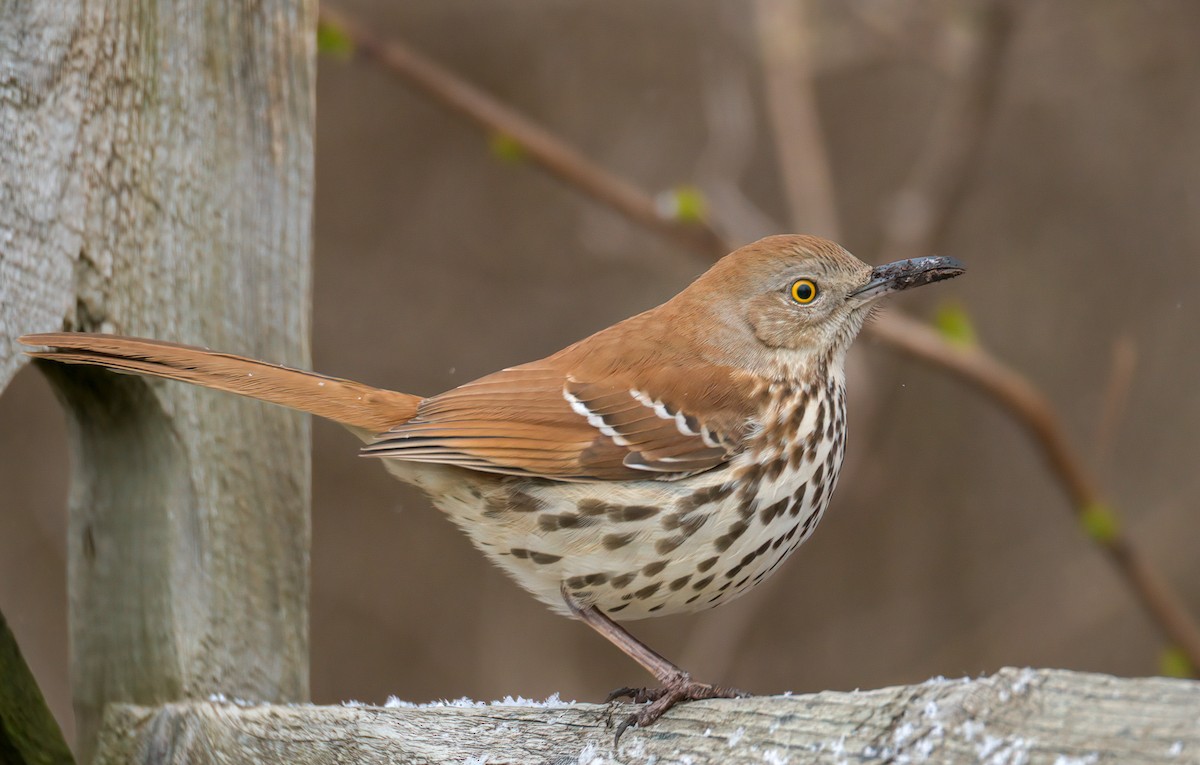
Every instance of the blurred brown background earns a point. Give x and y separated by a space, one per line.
949 549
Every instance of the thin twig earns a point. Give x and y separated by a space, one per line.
925 206
1116 396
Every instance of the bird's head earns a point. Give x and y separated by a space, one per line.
802 297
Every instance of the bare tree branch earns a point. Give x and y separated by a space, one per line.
544 148
1016 395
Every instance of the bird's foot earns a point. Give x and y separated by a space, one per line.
678 688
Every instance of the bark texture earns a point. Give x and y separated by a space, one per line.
157 181
1016 716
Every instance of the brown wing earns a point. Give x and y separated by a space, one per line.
578 421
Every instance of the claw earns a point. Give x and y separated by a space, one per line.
636 695
621 693
622 728
682 688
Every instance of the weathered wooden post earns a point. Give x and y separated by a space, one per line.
156 179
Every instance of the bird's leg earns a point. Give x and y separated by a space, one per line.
677 685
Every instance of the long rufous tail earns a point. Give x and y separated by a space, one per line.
352 404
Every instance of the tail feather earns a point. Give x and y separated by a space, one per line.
344 401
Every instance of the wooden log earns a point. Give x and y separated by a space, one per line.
1015 717
157 179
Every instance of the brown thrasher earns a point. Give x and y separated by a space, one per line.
668 463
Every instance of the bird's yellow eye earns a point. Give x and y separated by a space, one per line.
804 291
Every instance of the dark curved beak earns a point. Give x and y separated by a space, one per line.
904 274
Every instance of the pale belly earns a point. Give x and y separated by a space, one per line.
646 548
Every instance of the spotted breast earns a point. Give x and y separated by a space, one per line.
643 548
